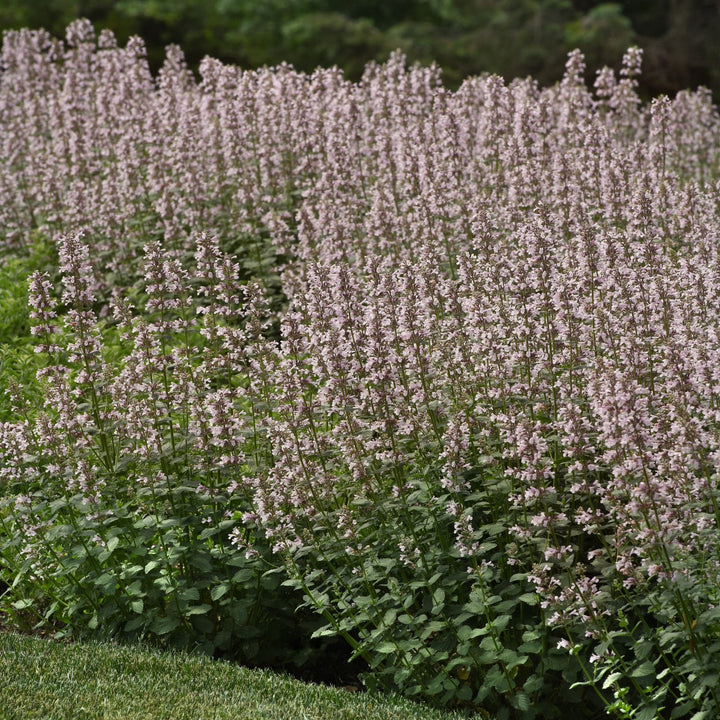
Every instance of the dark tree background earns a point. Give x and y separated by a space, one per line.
681 38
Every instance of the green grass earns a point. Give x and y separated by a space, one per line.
48 679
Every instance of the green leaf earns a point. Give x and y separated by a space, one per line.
324 632
501 622
512 658
681 711
270 580
521 701
198 609
201 562
434 626
238 560
401 675
112 543
218 591
243 575
164 582
134 624
60 531
518 576
533 684
106 583
132 571
495 678
476 607
534 646
164 625
208 532
642 649
464 632
389 617
436 686
610 679
190 593
507 605
137 606
385 648
489 644
647 669
151 566
22 604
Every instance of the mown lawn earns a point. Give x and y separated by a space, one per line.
46 679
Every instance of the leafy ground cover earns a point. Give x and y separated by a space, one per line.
427 378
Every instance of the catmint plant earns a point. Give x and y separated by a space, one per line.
432 372
137 467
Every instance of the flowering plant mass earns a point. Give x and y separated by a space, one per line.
432 373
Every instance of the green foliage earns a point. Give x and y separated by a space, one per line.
100 538
18 361
659 656
325 39
430 622
14 270
466 37
512 39
174 580
604 33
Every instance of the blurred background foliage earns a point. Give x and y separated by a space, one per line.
681 38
